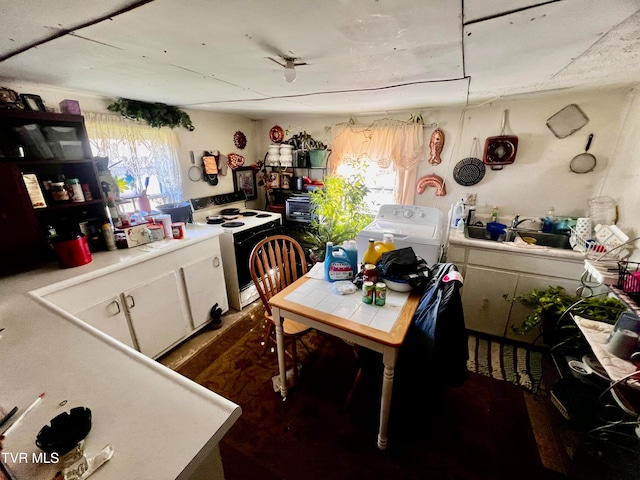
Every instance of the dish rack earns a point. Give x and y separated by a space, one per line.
629 278
592 248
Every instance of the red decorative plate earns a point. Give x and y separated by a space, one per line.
235 160
239 140
276 134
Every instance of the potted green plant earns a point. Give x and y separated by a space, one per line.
551 303
340 212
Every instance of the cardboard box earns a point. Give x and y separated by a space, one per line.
136 235
70 106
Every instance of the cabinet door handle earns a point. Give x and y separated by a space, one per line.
117 304
132 302
216 262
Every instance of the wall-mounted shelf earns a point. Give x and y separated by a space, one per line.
51 146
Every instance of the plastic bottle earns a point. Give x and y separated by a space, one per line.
494 213
109 236
460 226
375 250
113 211
352 252
337 265
387 242
457 213
143 203
370 255
547 224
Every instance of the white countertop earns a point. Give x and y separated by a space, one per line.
156 420
458 239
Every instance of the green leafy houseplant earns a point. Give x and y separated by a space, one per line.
155 114
555 301
340 212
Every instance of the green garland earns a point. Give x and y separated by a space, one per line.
155 114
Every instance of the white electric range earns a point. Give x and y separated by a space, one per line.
242 228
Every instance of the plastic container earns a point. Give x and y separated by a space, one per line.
72 250
77 195
494 213
337 265
549 220
457 213
495 229
177 229
180 212
59 192
603 210
352 252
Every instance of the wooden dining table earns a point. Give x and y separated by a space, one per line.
314 302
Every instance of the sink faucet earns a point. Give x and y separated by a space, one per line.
516 221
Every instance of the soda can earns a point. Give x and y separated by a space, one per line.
381 294
368 292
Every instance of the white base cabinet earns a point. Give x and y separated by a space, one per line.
205 287
109 317
491 275
156 314
155 304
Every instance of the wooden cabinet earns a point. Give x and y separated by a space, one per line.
51 146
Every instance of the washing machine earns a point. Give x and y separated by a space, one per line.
420 228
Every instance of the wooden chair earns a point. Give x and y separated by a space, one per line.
275 263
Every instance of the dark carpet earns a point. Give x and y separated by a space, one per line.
478 431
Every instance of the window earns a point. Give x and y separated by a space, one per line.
142 159
379 180
387 150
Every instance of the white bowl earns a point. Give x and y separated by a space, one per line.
397 285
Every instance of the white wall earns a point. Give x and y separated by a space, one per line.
213 131
540 177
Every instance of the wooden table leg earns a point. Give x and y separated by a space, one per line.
389 358
282 366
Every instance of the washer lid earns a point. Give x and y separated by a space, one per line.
403 232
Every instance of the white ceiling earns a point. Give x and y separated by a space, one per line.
363 56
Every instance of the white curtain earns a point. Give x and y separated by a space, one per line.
145 157
388 143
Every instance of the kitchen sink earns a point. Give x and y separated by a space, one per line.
478 233
553 240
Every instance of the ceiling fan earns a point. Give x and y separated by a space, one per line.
289 64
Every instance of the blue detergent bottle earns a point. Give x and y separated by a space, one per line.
337 265
352 252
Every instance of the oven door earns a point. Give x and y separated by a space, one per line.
243 243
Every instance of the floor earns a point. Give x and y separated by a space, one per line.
186 350
557 441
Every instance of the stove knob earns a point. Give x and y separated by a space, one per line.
421 214
395 212
407 214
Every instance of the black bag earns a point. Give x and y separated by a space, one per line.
403 264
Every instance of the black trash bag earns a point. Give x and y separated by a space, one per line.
403 264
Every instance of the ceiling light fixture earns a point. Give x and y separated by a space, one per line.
290 71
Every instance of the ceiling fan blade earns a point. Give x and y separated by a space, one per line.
276 61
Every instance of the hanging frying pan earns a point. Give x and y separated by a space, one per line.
470 170
584 162
195 172
500 150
